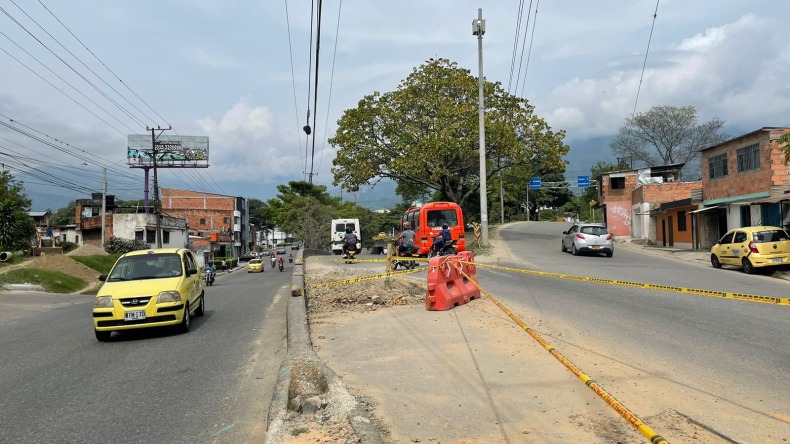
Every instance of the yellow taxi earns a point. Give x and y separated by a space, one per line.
149 288
255 266
752 248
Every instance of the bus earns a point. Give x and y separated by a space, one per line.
427 221
339 231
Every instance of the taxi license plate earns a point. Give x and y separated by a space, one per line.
777 260
134 315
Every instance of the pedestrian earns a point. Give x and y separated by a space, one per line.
223 263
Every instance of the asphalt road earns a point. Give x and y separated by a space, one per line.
735 352
211 385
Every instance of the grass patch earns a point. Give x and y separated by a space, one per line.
15 259
102 263
52 281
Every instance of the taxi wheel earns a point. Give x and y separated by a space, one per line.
714 261
201 310
183 327
748 268
102 336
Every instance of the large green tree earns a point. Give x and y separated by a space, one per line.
16 227
667 135
64 216
425 135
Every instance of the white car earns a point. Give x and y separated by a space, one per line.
588 238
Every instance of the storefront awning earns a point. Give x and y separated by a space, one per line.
703 209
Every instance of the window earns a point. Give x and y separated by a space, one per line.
138 234
681 221
726 239
740 237
717 166
749 158
76 239
150 236
165 237
617 183
202 221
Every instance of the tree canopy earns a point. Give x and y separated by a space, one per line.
16 227
667 135
425 135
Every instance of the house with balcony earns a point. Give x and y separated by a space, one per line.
746 182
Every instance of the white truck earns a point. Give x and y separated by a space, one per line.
339 231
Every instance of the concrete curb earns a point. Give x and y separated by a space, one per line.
300 348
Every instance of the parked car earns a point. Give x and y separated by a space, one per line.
280 250
255 266
588 238
751 248
246 256
149 288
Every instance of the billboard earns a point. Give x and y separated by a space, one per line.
171 151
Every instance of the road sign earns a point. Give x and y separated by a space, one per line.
584 181
534 183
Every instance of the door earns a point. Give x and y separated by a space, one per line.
567 240
663 232
740 247
671 232
724 249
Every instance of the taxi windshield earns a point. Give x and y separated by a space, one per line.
146 267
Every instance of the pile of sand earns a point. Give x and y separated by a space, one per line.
65 264
88 250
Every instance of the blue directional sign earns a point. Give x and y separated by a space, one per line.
534 183
584 181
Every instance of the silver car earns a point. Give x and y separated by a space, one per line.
592 238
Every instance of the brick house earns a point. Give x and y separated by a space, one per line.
127 226
223 220
745 182
630 199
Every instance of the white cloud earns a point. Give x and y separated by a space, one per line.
212 60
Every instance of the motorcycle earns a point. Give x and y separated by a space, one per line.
350 252
445 250
209 278
274 262
290 259
281 266
408 264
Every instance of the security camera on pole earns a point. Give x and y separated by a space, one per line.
478 29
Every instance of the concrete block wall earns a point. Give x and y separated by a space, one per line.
664 192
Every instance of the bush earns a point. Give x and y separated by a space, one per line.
117 245
68 246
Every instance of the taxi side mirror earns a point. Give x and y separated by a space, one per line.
102 277
191 271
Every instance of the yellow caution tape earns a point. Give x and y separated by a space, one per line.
669 288
644 429
371 277
331 259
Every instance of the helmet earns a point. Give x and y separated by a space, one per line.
444 225
348 230
406 226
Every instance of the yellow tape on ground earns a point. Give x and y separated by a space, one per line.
331 259
644 429
371 277
669 288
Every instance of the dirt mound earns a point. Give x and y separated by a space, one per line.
67 265
361 296
88 250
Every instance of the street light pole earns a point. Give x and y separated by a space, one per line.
103 205
478 29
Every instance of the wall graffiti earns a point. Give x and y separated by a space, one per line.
618 218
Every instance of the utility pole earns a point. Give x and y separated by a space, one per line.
103 205
157 203
478 29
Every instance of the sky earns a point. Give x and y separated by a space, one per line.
238 72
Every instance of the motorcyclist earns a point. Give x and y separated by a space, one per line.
281 263
274 260
349 240
441 239
290 258
406 240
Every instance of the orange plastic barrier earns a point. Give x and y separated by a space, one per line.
447 286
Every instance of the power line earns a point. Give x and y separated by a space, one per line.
515 42
644 64
309 88
331 82
523 46
315 93
96 88
107 67
302 158
529 54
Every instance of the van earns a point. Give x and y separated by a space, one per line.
427 221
